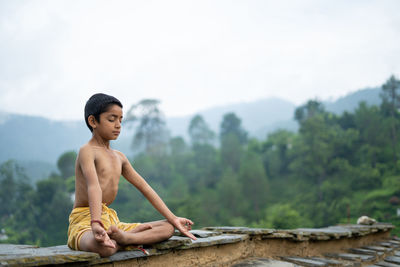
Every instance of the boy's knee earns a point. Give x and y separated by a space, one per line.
169 230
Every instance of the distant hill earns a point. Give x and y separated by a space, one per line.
350 102
254 115
36 139
267 115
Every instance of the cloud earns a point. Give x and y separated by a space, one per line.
191 54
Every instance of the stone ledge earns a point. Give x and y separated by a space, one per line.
305 234
23 255
246 241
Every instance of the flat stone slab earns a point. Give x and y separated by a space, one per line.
386 244
280 234
360 230
365 251
394 242
378 248
351 257
303 234
322 233
305 261
330 262
241 230
173 242
261 262
386 264
397 253
199 233
393 259
23 255
215 240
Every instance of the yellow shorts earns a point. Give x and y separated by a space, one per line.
79 222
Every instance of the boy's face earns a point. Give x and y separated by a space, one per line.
109 126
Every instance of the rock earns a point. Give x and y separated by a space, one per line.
23 255
393 259
305 261
330 262
350 256
261 262
199 233
173 242
377 248
215 240
365 220
385 264
241 230
365 251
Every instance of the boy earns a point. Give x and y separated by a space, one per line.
92 225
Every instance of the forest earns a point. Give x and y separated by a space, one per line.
335 169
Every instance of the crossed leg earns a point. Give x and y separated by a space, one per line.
152 232
144 234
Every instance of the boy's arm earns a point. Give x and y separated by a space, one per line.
182 224
86 163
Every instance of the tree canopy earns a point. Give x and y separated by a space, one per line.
335 169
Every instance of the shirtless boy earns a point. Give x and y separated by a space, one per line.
92 225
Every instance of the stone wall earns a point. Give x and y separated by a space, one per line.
341 245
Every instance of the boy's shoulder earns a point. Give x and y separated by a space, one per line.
85 148
120 154
91 151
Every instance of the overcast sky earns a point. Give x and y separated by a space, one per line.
191 54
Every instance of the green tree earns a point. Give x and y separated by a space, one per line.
232 138
254 183
151 134
231 125
309 110
282 216
276 153
13 182
369 123
66 164
232 203
199 132
390 104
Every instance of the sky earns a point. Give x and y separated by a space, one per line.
191 55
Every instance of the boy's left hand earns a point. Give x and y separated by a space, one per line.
184 226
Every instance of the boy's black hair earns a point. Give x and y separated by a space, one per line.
97 104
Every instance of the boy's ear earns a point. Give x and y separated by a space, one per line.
92 121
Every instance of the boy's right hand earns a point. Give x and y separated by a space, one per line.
101 236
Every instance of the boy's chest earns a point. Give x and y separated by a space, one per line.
108 166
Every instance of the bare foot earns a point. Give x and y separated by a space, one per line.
118 235
141 227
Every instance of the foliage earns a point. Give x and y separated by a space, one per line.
335 169
33 215
151 133
66 164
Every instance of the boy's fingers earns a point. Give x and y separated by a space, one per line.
186 232
99 237
190 235
106 241
109 243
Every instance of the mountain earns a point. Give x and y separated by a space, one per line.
36 138
30 138
351 101
255 116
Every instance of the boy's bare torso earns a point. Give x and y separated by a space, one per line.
108 164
